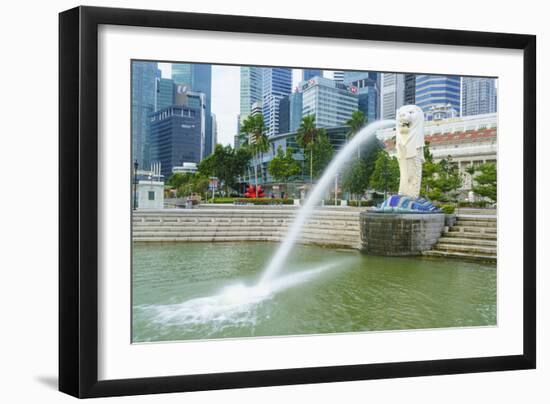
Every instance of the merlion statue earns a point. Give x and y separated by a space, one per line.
409 146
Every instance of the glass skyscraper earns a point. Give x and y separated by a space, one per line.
290 112
144 76
296 106
479 96
251 89
175 137
164 93
181 73
284 115
199 77
437 90
410 89
368 90
332 103
393 94
311 73
277 83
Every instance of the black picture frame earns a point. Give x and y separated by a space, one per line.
78 196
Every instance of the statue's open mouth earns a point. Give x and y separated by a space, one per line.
405 124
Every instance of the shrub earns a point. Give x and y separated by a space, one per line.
447 209
263 201
362 203
477 204
222 200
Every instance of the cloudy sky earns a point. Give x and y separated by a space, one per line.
226 97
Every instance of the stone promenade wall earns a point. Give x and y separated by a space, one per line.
327 227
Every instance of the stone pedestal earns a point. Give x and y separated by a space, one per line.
399 234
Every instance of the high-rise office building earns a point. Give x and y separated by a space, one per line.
214 132
338 75
368 91
284 115
410 89
185 97
251 89
144 76
257 108
181 73
311 73
393 94
290 112
199 77
437 90
237 139
479 96
332 103
277 83
175 137
164 93
295 109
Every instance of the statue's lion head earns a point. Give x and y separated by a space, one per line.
409 118
409 130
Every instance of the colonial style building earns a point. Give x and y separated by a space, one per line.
468 140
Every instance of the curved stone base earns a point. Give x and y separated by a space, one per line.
399 234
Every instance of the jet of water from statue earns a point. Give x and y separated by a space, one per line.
410 155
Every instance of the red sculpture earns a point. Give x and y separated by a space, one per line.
251 192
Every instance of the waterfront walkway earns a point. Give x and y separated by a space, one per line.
474 235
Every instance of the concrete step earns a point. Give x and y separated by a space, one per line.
243 226
470 236
243 220
474 229
477 218
473 249
341 243
475 223
203 239
310 233
467 241
238 213
459 255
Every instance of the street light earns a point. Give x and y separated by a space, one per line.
135 184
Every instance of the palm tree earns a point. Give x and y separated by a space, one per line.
355 123
254 127
306 137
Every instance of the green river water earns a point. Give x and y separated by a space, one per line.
187 291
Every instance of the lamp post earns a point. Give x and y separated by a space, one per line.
135 184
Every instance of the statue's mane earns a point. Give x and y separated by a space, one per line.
416 128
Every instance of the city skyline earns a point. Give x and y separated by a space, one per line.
226 95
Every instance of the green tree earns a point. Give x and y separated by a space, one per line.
176 180
356 178
284 166
440 181
385 176
486 181
321 152
254 127
227 164
198 184
306 137
355 123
